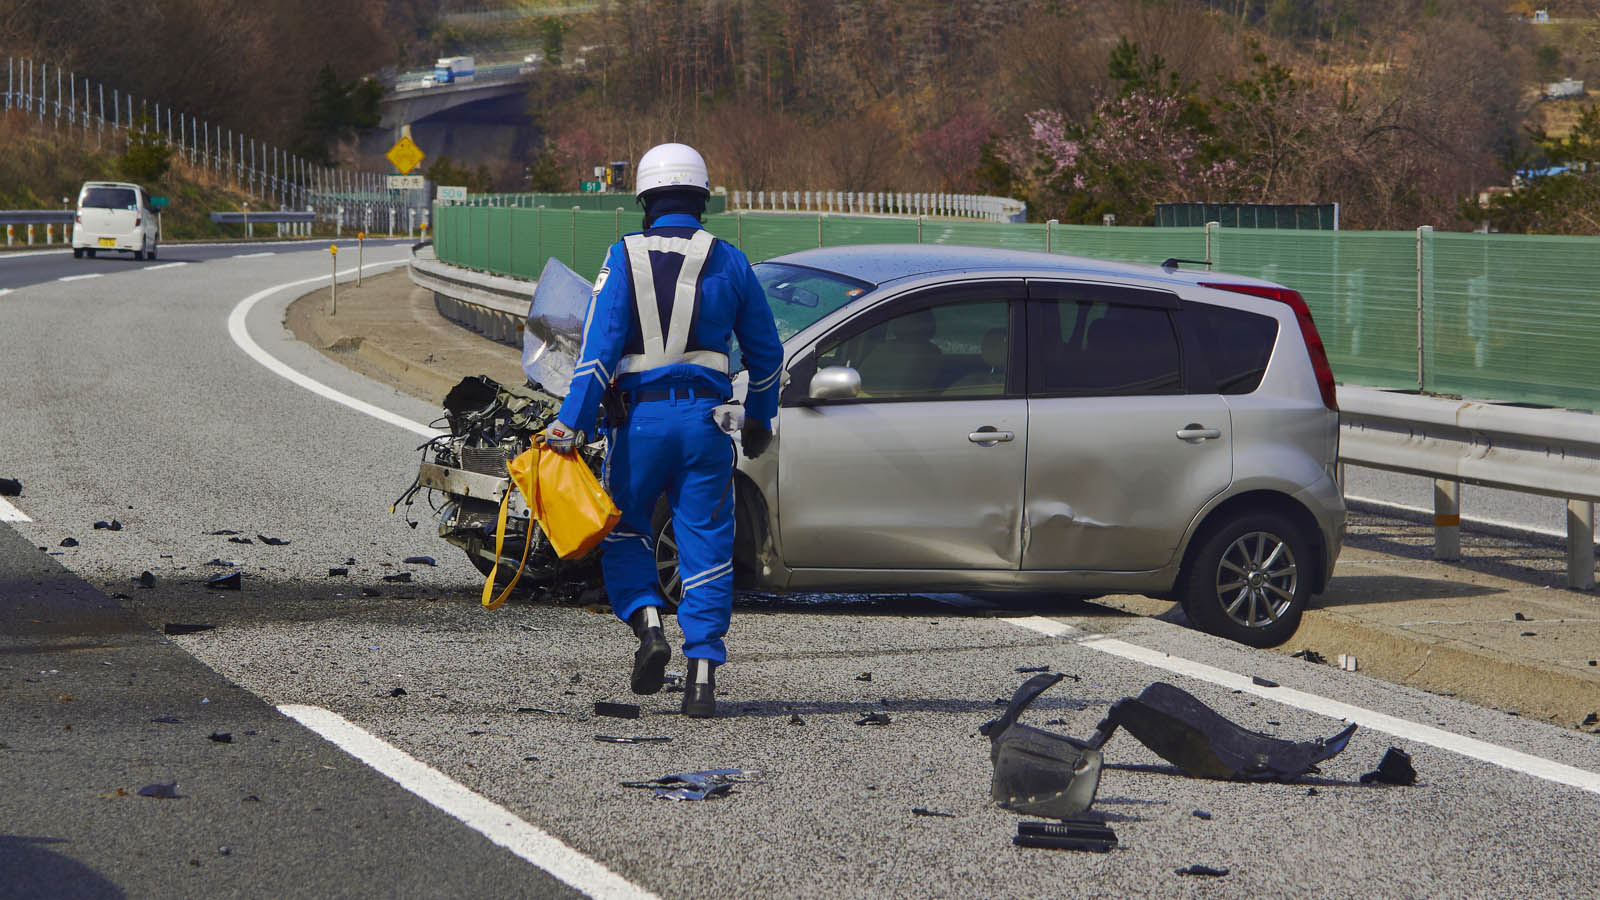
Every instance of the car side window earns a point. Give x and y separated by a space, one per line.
954 350
1237 344
1089 348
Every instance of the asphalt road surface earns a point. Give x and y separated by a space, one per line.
391 738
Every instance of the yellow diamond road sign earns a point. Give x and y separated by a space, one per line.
405 155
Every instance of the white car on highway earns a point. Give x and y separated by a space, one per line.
114 215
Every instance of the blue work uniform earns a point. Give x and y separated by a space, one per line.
659 323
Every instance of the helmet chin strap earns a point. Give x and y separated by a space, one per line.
667 201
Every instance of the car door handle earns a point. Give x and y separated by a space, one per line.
987 435
1194 433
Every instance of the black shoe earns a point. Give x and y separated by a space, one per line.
700 689
650 660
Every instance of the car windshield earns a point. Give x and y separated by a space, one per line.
109 198
800 296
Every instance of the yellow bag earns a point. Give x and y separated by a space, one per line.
568 502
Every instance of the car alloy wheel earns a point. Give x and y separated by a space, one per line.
1249 580
1256 579
668 578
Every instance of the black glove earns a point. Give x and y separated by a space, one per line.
755 437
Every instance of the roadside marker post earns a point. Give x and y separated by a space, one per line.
333 285
361 252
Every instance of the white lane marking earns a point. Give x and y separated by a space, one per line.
1505 757
240 336
477 812
4 291
80 277
1522 527
254 255
9 513
172 265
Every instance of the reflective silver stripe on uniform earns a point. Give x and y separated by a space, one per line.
766 382
708 576
668 349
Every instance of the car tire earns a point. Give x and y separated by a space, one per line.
151 253
138 254
668 579
1250 580
90 251
77 253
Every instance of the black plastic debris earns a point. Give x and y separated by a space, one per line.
874 718
1069 834
1520 617
69 542
924 811
371 592
1262 682
168 791
1591 719
112 525
1529 633
632 739
167 720
341 570
864 676
146 579
420 561
1310 656
240 540
540 709
220 562
1025 670
1038 772
707 785
220 737
398 692
1198 869
1201 814
1394 768
222 531
399 578
249 798
530 759
186 627
796 720
10 487
272 541
1201 742
229 582
672 683
616 710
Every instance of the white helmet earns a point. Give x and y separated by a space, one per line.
671 165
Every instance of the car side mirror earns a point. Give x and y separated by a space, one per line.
836 383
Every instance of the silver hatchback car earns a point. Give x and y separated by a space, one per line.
971 419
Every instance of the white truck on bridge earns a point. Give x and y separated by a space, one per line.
453 70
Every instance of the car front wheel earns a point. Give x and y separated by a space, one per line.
1250 580
668 579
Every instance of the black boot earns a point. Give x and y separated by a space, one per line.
700 689
650 660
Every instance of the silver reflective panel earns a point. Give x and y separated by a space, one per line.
553 333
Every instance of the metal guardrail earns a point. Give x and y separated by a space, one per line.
1552 452
36 216
265 217
492 305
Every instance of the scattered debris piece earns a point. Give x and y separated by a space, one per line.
1069 834
69 542
1394 768
240 540
222 531
795 719
340 570
167 720
146 580
1520 617
874 718
476 733
924 811
1204 744
1529 633
398 692
672 683
1591 719
112 525
1262 682
864 676
1347 662
616 710
634 739
1202 815
1037 772
168 791
706 785
272 541
371 592
1310 656
186 627
1198 869
399 577
540 709
1311 792
1024 670
229 582
530 759
420 561
220 737
10 487
220 563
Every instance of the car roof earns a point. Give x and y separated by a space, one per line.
120 184
882 264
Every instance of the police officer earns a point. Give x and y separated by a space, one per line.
664 307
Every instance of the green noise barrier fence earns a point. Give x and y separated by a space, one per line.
1505 318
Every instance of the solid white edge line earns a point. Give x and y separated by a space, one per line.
236 330
4 291
1505 757
477 812
170 265
1465 519
9 513
253 255
80 277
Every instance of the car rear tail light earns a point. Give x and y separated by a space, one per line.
78 218
137 221
1308 331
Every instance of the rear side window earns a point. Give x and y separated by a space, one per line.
1096 349
109 198
1237 345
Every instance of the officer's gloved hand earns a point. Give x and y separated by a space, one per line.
755 436
562 439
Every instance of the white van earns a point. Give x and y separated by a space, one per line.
114 215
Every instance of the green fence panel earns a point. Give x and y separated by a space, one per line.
1361 287
1514 317
524 241
596 232
1128 244
985 234
764 237
498 236
845 231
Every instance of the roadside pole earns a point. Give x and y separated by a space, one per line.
333 284
361 252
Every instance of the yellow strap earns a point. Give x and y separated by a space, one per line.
489 601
